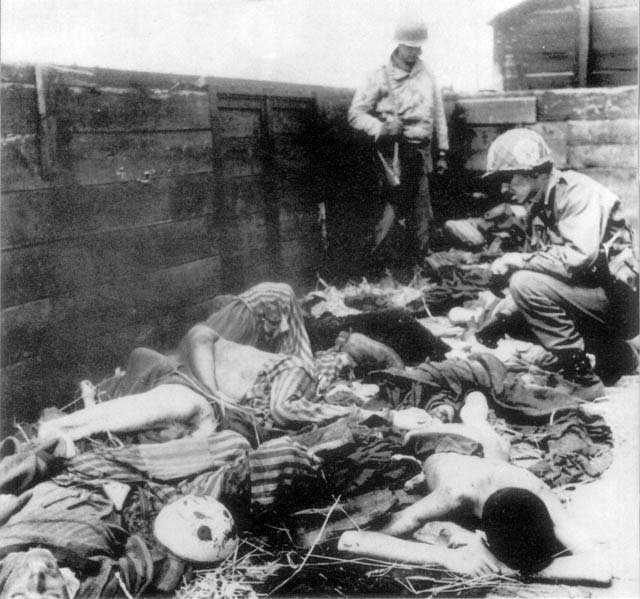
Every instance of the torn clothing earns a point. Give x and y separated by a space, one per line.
241 320
574 447
78 520
285 393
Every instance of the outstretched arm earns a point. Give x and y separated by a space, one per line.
438 504
469 561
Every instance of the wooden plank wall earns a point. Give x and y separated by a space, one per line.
537 44
613 56
162 191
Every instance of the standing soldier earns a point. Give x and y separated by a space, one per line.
399 108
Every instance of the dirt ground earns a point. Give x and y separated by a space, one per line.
609 506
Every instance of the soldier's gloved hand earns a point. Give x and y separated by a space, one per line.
391 128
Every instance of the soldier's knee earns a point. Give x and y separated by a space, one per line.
522 284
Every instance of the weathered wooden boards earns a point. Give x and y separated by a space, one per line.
591 130
564 43
159 192
167 190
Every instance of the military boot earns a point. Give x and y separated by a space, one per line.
574 366
615 359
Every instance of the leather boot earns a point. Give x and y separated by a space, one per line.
574 366
614 359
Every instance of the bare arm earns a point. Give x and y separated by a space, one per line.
469 561
197 350
438 504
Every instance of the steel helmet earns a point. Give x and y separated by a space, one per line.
196 529
517 150
411 33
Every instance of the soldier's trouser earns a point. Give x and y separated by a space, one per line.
411 199
561 315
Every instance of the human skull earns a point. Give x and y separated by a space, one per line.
197 529
36 574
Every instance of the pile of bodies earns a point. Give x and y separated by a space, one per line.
342 416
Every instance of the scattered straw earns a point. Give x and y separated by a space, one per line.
235 577
313 546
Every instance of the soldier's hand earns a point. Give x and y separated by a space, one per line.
392 127
506 264
441 166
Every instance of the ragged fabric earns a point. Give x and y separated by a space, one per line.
519 396
182 458
32 462
331 366
422 448
574 447
359 456
279 470
74 519
431 384
457 285
241 318
570 445
531 397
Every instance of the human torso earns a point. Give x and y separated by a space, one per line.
474 478
237 367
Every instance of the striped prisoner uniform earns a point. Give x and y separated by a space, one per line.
241 319
285 391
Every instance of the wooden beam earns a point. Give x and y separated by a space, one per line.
47 124
269 182
583 42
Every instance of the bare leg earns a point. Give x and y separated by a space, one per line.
151 409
